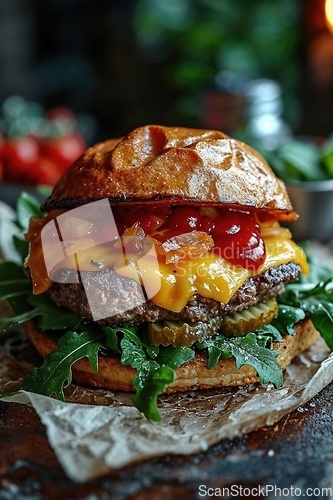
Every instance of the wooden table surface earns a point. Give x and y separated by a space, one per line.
297 451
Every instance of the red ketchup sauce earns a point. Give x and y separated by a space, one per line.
236 233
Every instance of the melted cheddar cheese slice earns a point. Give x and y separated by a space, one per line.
209 276
213 277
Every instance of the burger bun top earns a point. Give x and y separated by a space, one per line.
173 165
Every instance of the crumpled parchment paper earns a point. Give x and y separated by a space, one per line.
108 432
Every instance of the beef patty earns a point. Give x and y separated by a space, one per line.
112 293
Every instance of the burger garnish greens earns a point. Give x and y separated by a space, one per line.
236 303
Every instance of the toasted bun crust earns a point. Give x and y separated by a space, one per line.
173 164
192 375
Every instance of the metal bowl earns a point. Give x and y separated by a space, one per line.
313 201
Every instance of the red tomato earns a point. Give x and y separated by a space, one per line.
44 171
59 113
2 158
64 149
19 155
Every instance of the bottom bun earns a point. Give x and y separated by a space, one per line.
190 376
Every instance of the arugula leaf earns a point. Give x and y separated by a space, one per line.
14 286
322 318
272 331
112 340
135 356
319 303
324 287
154 375
318 271
246 351
131 334
55 374
264 341
27 206
174 356
18 319
149 382
48 316
216 349
288 316
148 386
51 316
21 247
316 301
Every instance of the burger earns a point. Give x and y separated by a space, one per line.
159 265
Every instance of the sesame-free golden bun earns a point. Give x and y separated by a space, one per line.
157 164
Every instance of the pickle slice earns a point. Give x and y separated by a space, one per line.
179 333
250 319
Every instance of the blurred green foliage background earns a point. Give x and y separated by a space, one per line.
124 63
204 39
